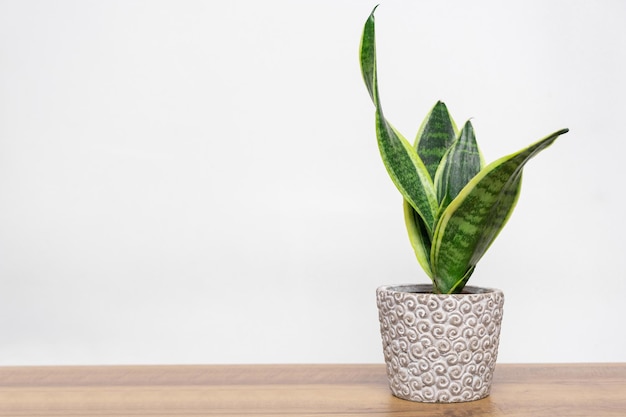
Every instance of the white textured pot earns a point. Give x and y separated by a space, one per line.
439 347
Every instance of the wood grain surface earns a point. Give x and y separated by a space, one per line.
595 390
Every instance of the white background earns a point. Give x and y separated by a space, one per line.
198 181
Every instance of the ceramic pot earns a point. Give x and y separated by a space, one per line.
439 347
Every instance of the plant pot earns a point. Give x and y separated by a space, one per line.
439 347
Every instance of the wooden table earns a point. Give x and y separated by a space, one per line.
589 390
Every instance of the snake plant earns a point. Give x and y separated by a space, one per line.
454 205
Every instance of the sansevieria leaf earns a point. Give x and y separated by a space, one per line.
367 56
476 216
436 134
459 165
418 236
403 164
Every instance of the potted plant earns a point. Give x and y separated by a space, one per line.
440 340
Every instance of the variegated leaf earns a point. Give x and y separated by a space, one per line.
459 165
476 216
404 166
435 136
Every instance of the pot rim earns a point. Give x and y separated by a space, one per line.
427 289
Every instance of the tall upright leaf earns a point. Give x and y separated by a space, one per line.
436 134
367 57
403 164
476 216
459 165
418 236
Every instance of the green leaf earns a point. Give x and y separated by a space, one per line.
418 236
404 166
435 136
476 216
460 284
367 52
460 164
407 171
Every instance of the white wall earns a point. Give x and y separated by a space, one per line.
198 181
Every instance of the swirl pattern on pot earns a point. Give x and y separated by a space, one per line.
439 347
